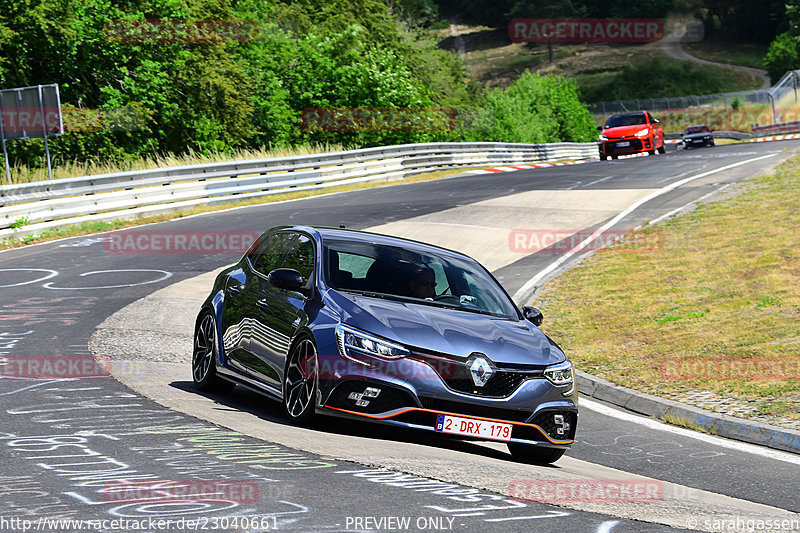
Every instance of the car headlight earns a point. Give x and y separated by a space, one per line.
642 133
560 374
602 138
354 343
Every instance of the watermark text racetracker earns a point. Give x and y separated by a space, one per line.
559 241
730 368
54 367
179 242
379 119
181 31
562 491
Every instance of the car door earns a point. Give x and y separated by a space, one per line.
242 299
282 312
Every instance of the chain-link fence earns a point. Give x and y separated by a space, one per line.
782 95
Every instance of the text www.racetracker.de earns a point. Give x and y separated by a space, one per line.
263 523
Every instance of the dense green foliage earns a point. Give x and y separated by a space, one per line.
240 93
784 51
745 20
535 109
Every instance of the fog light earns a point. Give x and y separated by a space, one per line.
359 397
562 427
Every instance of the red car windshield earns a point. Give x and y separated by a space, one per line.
626 120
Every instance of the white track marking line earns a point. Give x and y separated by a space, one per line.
531 283
678 210
652 423
606 527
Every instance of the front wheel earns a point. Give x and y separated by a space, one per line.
300 382
528 453
662 149
204 357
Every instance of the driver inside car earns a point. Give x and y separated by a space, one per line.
423 283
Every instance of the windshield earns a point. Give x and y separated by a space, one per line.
625 120
414 275
697 129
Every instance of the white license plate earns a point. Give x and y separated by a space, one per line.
473 428
623 144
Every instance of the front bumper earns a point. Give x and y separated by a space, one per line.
636 145
413 394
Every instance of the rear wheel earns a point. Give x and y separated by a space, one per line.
205 355
300 382
614 157
528 453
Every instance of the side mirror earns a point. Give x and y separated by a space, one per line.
533 315
599 128
656 121
286 278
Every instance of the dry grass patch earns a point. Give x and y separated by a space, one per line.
716 308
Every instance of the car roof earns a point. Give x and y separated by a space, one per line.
631 114
346 234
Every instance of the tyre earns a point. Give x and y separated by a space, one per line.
652 152
662 149
603 158
528 453
205 355
300 382
614 157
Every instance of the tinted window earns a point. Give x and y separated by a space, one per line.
415 275
625 120
271 252
301 257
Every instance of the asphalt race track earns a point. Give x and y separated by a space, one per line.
65 443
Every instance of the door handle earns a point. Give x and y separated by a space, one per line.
263 303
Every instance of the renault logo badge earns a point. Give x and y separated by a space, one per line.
481 370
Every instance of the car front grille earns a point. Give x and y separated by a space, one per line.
482 411
612 148
456 374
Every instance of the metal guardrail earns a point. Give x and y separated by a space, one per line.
718 134
47 204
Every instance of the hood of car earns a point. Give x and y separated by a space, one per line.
446 331
624 131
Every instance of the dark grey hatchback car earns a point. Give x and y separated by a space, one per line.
378 328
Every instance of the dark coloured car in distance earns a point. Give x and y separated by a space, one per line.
383 329
699 135
630 133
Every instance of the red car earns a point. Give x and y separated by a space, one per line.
630 133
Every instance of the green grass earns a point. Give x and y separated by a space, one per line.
715 308
495 61
745 54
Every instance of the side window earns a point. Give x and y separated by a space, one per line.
272 251
301 257
442 285
356 265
